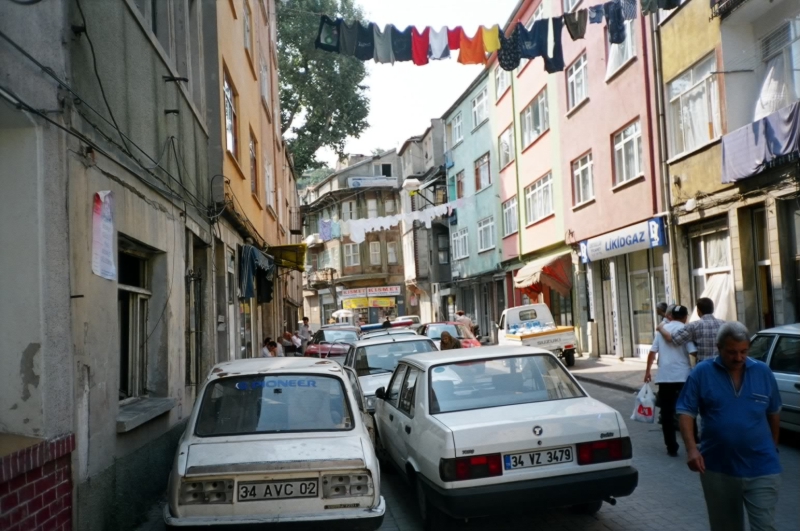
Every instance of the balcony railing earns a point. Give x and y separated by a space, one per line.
723 8
295 221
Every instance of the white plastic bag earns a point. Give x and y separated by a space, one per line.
644 410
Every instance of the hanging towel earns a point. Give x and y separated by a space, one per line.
365 45
533 42
336 230
328 34
555 62
472 50
576 23
629 9
439 47
454 37
401 44
615 22
420 45
649 7
491 38
509 53
383 44
348 37
596 14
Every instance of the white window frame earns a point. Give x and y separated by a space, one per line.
539 199
460 247
391 252
372 208
536 111
582 173
352 256
570 5
510 217
626 50
480 180
480 108
505 148
577 82
375 253
458 129
712 106
629 138
348 210
502 81
486 234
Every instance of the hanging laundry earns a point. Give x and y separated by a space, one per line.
596 14
420 45
491 38
454 37
649 7
555 63
356 228
336 229
328 34
365 42
325 229
438 44
509 53
401 44
345 227
533 42
348 37
629 9
383 44
472 50
576 23
669 5
615 22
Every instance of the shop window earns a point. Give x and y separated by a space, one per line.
712 274
763 271
133 299
646 286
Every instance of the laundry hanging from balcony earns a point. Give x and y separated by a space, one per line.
389 44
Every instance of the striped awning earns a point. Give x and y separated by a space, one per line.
553 271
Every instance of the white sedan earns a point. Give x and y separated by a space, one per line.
497 430
277 441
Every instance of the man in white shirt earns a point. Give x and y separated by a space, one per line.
463 319
673 370
298 344
305 335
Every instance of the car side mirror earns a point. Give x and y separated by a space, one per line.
380 393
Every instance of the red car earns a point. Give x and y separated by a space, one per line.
457 330
331 341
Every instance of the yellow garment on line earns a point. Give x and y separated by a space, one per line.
491 38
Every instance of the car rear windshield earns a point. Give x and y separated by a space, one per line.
383 358
273 404
499 382
457 331
340 335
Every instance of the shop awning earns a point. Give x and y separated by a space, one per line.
289 256
552 271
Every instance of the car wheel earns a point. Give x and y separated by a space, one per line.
587 508
569 357
432 518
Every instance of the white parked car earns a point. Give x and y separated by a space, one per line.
281 441
374 360
497 430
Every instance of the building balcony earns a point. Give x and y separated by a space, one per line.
723 8
295 221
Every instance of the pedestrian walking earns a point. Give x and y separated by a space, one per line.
448 342
738 459
673 369
702 332
305 335
464 319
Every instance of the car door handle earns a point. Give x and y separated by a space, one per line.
391 417
408 429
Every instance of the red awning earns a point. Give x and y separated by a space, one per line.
552 271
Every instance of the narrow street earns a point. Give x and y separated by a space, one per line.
668 497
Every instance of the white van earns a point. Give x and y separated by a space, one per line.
533 325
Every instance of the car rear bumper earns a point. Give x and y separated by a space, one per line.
519 496
344 519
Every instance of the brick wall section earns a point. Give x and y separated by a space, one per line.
36 487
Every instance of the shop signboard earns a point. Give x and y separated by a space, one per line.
381 302
383 291
644 235
354 304
371 182
353 294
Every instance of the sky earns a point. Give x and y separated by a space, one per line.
404 97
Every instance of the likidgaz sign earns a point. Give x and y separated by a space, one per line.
644 235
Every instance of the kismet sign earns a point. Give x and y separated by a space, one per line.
644 235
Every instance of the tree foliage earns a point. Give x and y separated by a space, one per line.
323 100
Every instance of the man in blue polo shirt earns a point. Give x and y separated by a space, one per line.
738 460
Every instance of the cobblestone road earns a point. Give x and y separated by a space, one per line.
668 497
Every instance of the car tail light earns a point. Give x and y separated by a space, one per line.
473 467
206 492
590 453
568 347
346 485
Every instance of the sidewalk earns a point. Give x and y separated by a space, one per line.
608 371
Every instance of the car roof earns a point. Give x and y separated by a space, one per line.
428 359
279 365
339 327
790 329
390 338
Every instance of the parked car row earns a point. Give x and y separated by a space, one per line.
292 440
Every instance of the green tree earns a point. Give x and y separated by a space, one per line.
323 100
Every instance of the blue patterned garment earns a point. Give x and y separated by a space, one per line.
595 14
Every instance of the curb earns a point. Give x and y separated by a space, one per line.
605 383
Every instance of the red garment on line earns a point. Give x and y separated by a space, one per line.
472 51
454 37
419 46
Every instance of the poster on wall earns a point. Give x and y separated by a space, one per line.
103 263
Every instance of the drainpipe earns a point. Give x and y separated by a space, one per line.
661 131
517 153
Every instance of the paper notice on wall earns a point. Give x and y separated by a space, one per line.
103 263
